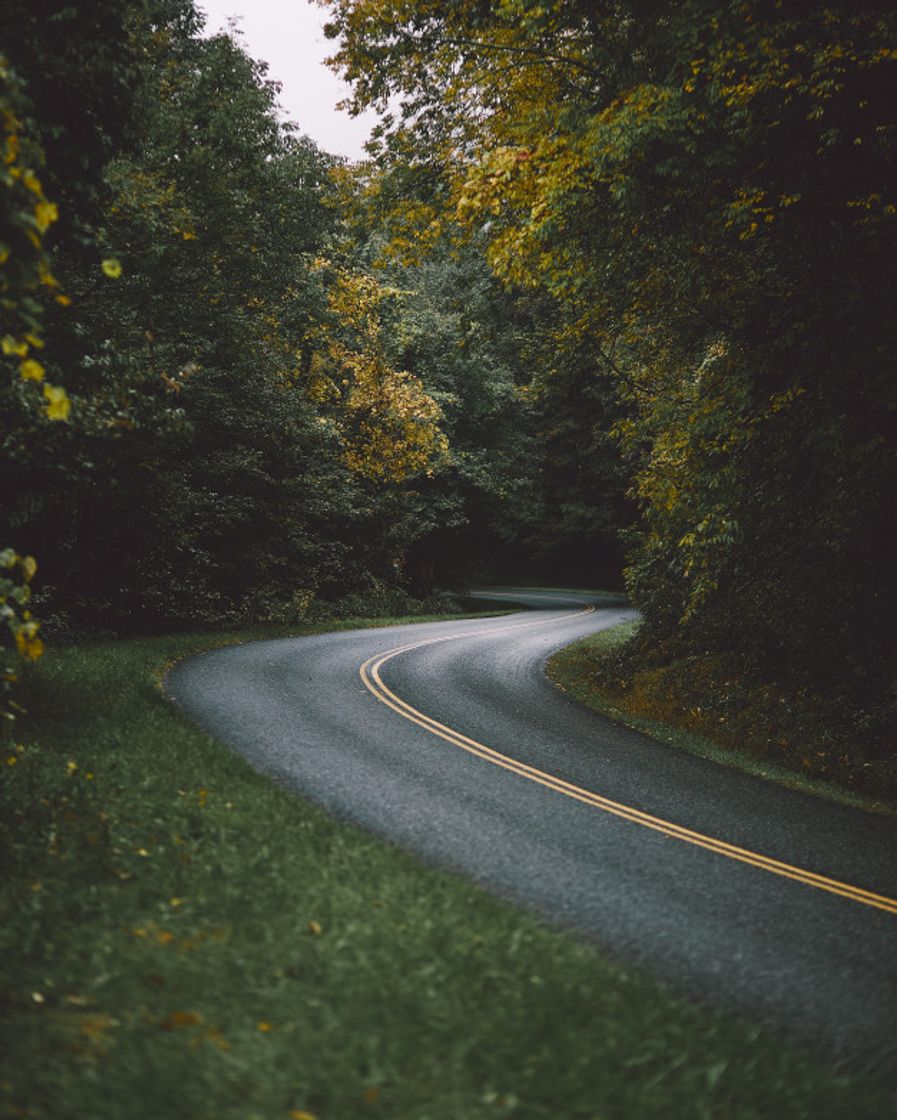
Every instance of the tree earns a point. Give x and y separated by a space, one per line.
201 477
26 396
706 189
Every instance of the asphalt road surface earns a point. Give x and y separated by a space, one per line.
448 739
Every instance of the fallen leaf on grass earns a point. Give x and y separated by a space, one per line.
87 1032
216 1038
179 1019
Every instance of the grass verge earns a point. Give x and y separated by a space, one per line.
182 939
658 703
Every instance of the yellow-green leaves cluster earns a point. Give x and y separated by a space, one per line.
16 574
386 421
25 271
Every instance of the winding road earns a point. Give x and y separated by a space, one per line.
448 739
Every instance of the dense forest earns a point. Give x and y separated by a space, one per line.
611 302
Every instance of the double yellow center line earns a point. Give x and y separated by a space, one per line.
370 676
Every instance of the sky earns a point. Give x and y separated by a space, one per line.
288 35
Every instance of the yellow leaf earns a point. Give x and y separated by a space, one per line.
316 928
31 370
58 404
178 1019
215 1036
28 646
46 276
264 1027
112 268
29 567
45 213
31 181
95 1026
301 1114
14 346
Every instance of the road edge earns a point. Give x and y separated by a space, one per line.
558 672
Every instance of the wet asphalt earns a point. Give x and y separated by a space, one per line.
792 958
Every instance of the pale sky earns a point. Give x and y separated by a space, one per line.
288 35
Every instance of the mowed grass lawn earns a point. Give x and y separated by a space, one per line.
182 939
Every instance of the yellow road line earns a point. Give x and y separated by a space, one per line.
370 675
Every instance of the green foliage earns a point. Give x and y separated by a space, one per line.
25 269
19 631
78 65
25 216
199 479
707 192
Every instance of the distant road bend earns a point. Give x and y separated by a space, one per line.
448 739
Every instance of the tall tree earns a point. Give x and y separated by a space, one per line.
199 477
707 189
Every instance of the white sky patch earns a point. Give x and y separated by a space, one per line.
289 36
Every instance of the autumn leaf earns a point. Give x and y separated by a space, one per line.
31 370
45 213
29 646
58 404
13 346
179 1019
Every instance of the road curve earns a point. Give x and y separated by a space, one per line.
448 739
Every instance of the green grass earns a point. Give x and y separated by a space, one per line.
576 669
182 939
